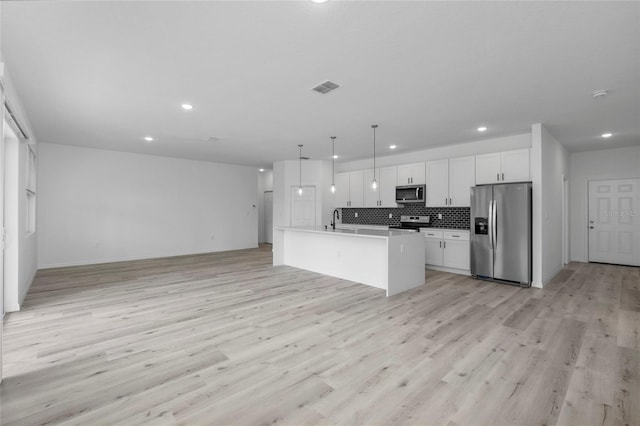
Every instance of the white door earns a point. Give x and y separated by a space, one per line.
268 217
438 183
462 176
487 168
341 196
614 221
388 177
356 188
515 166
371 196
433 251
404 175
418 174
456 254
303 206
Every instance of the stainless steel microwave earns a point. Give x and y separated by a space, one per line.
411 194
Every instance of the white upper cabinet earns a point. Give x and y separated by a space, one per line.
515 166
371 196
387 190
349 189
437 183
507 166
462 176
448 182
356 193
411 174
385 193
341 196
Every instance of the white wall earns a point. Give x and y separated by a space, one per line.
595 165
483 146
20 256
555 168
265 183
314 173
100 206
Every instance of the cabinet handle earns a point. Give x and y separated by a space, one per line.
503 176
497 176
440 244
445 244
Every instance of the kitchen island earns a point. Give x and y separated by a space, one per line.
392 260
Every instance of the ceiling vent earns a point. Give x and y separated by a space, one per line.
326 87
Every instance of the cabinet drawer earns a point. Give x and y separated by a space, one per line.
452 235
432 234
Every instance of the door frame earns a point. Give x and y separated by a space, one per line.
565 220
264 216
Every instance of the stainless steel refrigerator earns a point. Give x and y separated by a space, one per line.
501 233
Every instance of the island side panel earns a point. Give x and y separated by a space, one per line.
406 263
353 258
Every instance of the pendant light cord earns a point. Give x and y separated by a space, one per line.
333 160
300 161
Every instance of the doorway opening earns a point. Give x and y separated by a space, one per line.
268 217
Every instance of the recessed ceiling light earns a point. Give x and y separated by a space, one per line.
261 170
335 156
392 146
148 138
187 107
319 1
482 128
606 135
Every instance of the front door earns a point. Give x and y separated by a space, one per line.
614 221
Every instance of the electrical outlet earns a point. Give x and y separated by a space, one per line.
356 214
390 215
440 216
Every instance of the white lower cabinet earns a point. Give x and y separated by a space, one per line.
456 250
447 250
433 248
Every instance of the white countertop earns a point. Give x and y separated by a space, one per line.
360 232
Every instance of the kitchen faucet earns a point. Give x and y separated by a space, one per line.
335 215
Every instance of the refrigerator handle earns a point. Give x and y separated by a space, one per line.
490 223
494 225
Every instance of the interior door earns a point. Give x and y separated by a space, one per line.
303 206
614 221
268 217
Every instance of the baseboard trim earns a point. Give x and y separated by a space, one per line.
132 258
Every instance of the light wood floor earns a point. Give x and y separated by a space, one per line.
228 339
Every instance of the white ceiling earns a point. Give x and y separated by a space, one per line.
105 74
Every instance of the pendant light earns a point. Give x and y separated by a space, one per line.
374 184
333 164
300 160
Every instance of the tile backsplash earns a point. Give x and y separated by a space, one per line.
452 217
